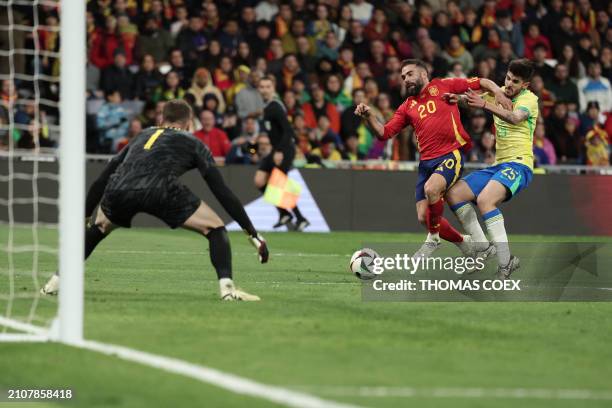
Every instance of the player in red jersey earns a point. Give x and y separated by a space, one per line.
442 142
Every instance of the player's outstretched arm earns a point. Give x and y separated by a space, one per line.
234 208
511 116
493 89
94 194
365 112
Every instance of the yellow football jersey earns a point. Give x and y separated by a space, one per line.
514 143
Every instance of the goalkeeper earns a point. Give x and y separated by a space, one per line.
144 177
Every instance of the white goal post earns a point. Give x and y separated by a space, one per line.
67 326
72 171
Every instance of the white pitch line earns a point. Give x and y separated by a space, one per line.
230 382
411 392
298 254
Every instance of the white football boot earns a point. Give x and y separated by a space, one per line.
51 287
229 292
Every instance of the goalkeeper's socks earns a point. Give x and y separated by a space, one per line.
469 220
93 236
220 252
494 220
434 214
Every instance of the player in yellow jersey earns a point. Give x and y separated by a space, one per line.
512 170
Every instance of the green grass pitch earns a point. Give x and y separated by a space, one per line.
155 290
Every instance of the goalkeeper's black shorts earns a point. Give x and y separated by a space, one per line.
173 204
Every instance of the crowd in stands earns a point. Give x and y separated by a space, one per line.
326 57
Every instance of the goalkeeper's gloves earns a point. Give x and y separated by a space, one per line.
262 249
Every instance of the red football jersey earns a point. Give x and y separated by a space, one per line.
436 122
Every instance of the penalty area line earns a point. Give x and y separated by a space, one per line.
227 381
458 392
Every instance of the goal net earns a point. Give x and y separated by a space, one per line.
41 168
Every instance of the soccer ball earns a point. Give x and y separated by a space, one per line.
362 264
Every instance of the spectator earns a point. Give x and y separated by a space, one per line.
351 149
563 88
147 79
327 149
335 94
244 147
211 103
192 41
320 26
291 105
260 42
550 22
249 103
177 64
569 58
248 21
243 55
456 52
289 40
133 131
477 126
181 16
441 30
290 71
112 122
597 153
153 40
377 60
470 31
590 118
201 85
595 88
223 76
584 49
438 65
305 54
546 99
330 47
212 56
361 11
212 20
568 143
357 42
510 31
541 67
377 28
230 37
320 107
241 75
118 76
282 21
105 41
543 149
605 60
171 89
275 57
504 57
533 38
213 137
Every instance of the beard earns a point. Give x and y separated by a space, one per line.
415 89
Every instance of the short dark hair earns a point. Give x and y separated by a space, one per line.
522 68
177 111
412 61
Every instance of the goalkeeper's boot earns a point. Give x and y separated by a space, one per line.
428 248
285 220
229 292
504 272
51 287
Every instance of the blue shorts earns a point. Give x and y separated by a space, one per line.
514 176
449 166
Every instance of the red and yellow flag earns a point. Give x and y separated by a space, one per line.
282 191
